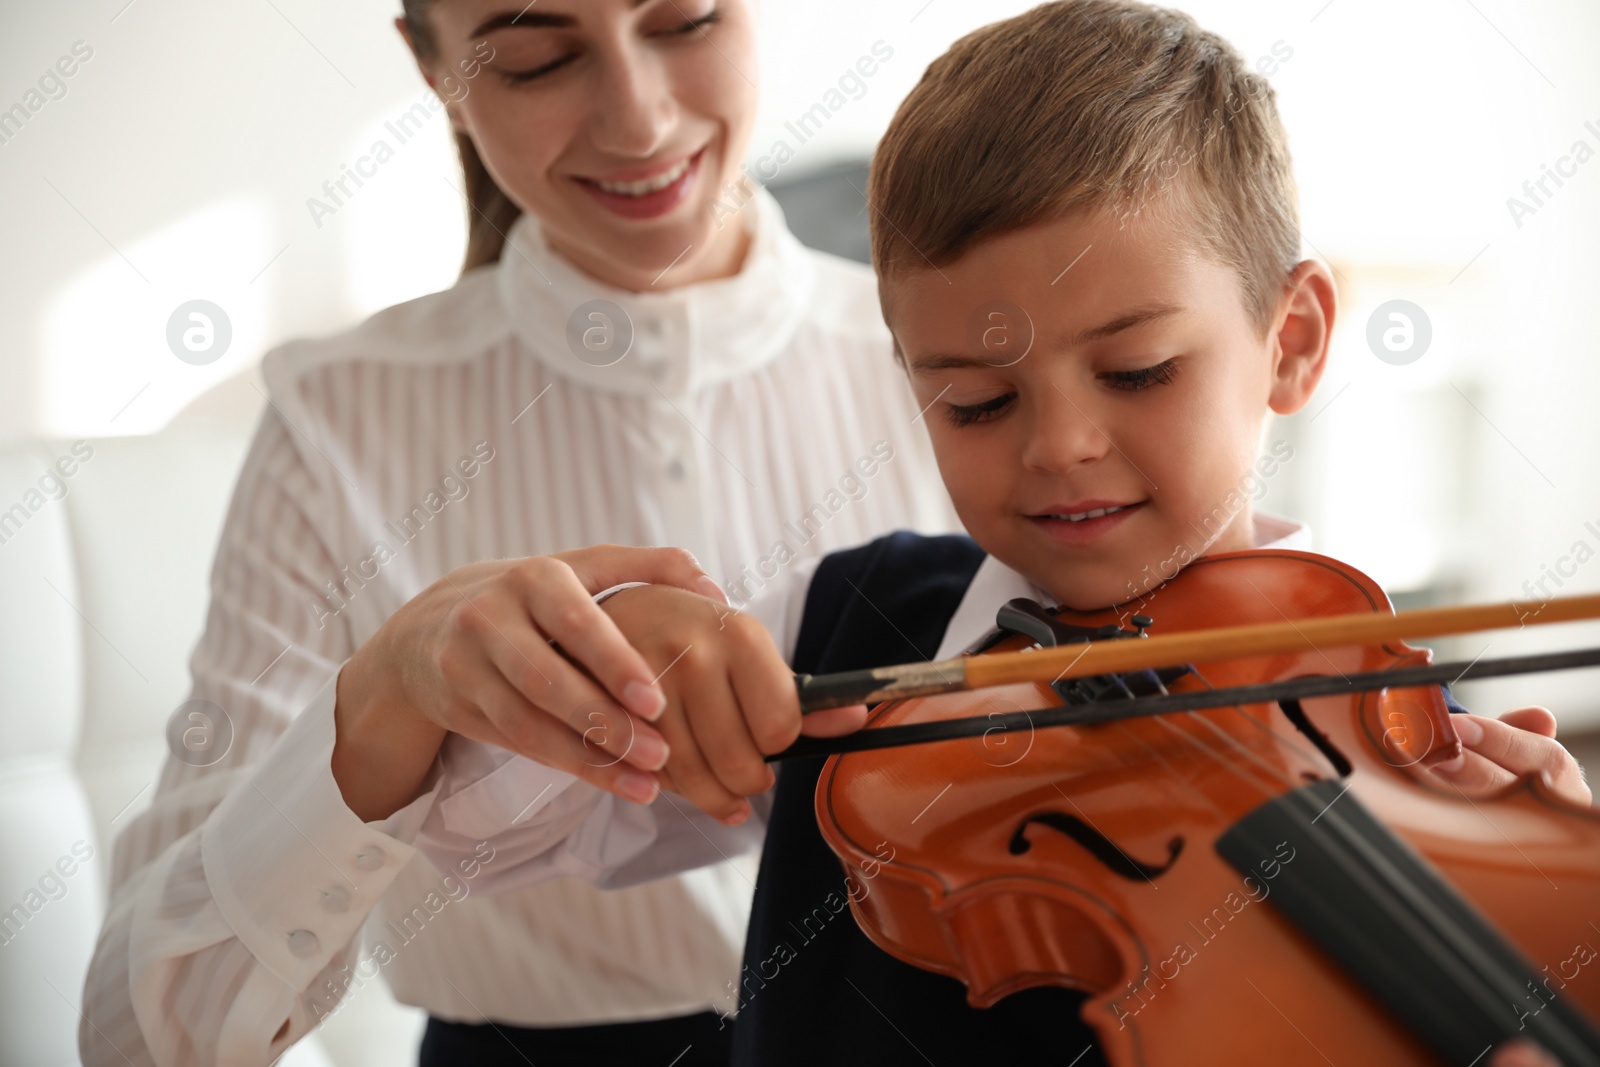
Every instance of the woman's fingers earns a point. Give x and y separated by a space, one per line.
1498 753
548 686
511 722
604 566
561 609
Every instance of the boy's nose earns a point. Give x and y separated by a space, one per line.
1066 433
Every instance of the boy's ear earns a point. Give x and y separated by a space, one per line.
1301 333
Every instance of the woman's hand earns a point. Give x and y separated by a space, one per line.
472 654
1497 752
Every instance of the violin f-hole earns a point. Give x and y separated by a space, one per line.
1302 722
1097 844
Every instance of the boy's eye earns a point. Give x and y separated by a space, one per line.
967 414
710 18
1134 380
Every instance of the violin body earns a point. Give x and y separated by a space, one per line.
1157 864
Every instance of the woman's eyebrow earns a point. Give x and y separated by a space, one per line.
525 19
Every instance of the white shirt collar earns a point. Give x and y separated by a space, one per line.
683 338
995 583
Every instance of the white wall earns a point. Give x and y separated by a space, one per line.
178 164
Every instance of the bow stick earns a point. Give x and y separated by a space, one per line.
1085 659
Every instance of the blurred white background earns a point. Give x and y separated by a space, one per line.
177 160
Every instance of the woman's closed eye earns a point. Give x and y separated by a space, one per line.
518 77
679 29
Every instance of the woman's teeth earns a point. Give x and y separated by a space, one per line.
647 185
1084 516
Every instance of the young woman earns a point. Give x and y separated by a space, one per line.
623 360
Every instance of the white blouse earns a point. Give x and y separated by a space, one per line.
757 420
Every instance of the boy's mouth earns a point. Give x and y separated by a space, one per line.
1083 520
1084 510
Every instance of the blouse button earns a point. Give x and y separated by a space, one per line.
676 470
336 899
370 858
304 943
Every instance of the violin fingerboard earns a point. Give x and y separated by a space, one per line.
1395 926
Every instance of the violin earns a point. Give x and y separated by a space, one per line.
1228 839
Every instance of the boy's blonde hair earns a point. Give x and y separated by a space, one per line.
1089 104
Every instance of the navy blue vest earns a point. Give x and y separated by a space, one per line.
814 990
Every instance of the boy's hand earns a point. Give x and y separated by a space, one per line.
1519 1052
1499 751
731 699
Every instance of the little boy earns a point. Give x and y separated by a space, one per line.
1085 229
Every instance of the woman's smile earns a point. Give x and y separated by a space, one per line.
645 192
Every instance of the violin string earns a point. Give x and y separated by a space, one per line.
1294 742
1233 767
1238 771
1183 779
1155 754
1294 745
1272 771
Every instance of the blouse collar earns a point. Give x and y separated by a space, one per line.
675 341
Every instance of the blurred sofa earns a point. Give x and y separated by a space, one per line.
105 550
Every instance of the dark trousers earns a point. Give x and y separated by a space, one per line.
683 1041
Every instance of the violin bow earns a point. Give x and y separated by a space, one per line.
1092 658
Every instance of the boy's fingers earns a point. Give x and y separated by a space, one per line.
1474 775
1498 754
834 722
688 775
764 687
718 725
1535 720
1522 1053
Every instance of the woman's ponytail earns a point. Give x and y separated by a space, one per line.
490 211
